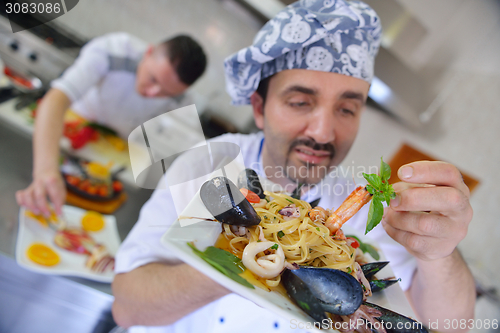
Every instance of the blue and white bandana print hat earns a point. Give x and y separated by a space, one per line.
324 35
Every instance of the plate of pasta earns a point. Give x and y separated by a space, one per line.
282 244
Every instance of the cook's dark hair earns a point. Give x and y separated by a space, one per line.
187 57
263 87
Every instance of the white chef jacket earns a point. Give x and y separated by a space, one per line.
101 84
230 313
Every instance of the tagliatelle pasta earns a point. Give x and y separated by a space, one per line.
303 241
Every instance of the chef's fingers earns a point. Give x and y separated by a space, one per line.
433 172
445 200
40 196
57 195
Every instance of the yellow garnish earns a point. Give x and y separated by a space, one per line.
92 221
97 170
42 219
42 255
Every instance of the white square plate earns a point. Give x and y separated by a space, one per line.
71 264
205 233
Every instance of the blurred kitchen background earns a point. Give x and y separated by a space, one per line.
437 90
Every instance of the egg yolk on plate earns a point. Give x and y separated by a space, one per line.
92 221
42 254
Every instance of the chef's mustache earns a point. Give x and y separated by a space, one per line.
311 143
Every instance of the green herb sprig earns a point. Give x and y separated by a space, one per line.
225 262
382 191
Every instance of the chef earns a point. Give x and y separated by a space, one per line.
118 81
307 77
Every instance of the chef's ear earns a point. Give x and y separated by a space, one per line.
258 109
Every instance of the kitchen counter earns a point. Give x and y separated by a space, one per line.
32 294
15 173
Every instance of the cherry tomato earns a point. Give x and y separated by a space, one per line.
102 190
73 180
84 185
92 190
354 242
250 196
117 186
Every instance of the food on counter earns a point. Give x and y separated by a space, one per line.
52 220
42 255
92 221
75 240
100 260
79 241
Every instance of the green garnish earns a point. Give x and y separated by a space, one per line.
382 191
281 234
274 247
317 228
349 270
304 305
225 262
366 248
290 201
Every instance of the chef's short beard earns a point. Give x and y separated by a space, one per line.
308 174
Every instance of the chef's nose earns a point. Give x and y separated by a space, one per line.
153 90
321 125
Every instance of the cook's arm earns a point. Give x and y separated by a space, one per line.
443 290
47 179
430 221
158 294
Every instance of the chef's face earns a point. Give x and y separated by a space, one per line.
310 120
156 76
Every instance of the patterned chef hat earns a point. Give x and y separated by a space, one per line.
324 35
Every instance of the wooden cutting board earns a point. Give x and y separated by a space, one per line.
107 207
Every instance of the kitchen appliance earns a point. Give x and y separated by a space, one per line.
44 51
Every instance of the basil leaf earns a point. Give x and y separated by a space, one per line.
370 189
375 213
371 250
223 261
385 170
374 180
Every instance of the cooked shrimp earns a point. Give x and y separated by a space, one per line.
334 221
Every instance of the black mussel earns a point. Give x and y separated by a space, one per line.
314 203
320 290
249 179
378 285
396 323
370 269
226 203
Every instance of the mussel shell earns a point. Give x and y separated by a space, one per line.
378 285
397 323
249 179
320 290
370 269
226 203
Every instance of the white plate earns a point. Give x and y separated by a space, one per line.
204 233
71 264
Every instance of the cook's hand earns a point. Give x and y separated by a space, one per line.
429 220
34 197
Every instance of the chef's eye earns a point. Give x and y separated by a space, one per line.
347 112
298 104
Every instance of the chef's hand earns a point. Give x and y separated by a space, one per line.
429 220
34 197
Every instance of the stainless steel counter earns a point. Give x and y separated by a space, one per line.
15 173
